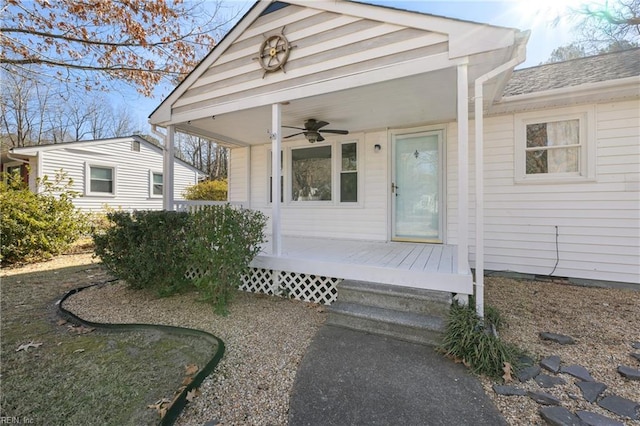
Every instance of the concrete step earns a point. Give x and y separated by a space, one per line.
409 326
406 299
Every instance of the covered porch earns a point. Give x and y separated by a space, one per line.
375 73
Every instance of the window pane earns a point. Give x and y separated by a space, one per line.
561 133
102 186
557 133
563 160
349 187
537 162
311 173
101 173
349 157
157 183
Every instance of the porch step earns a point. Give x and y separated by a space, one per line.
410 314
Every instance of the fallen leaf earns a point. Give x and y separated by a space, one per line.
191 369
187 380
80 329
62 322
192 394
26 346
77 351
320 309
507 376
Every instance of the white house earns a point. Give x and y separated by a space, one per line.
121 173
425 99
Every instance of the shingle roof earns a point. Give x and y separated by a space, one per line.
593 69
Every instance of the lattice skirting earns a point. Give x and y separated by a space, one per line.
305 287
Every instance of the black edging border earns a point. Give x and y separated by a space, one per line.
181 400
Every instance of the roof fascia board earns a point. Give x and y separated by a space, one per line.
162 113
33 150
623 88
465 38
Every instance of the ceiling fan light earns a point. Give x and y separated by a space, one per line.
312 137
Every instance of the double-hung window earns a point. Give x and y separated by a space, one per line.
554 147
100 179
156 184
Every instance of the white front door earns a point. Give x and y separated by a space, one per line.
417 187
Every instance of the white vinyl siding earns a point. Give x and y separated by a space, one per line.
132 181
328 46
597 221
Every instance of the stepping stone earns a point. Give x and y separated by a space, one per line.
591 390
621 406
595 419
636 356
635 345
629 373
579 372
543 398
559 416
508 390
525 361
551 363
558 338
546 381
528 373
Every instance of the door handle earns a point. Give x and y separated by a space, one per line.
394 188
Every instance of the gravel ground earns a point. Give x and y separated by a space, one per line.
266 338
603 322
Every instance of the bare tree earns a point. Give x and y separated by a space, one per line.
91 44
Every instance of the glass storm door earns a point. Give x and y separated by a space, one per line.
417 187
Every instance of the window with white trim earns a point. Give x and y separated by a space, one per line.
156 184
555 147
325 173
101 179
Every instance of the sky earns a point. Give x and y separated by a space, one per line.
535 15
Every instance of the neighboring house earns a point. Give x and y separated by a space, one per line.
121 173
560 149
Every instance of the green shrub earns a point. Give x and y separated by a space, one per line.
154 250
223 242
147 249
214 190
471 340
38 226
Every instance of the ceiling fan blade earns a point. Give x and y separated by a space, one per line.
320 124
337 132
291 127
290 136
320 138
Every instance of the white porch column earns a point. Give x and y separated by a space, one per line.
463 170
167 170
276 144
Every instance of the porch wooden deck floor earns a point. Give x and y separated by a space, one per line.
419 265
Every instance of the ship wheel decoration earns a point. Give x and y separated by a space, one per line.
274 52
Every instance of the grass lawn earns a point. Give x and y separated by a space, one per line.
73 376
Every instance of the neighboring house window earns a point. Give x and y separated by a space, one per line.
135 146
555 147
155 184
101 180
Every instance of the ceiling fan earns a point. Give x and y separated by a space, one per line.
312 131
